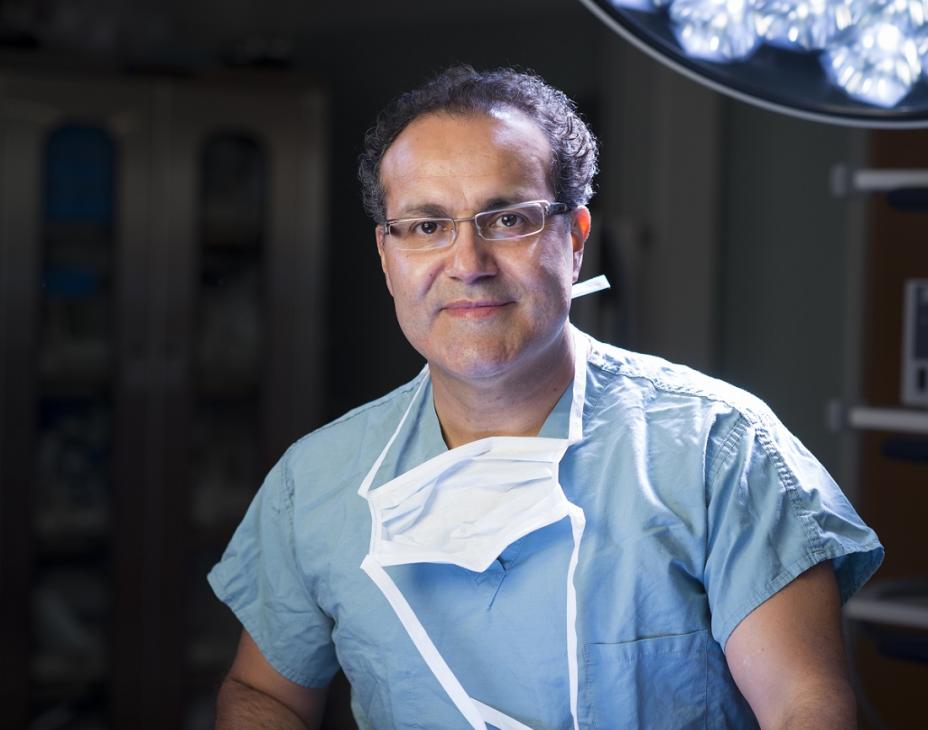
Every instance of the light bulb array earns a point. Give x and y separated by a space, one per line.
875 50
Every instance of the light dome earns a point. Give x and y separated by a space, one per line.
853 62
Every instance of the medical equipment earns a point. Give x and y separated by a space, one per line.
915 344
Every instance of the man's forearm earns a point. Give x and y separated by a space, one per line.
241 707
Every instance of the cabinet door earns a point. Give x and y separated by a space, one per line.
74 166
893 466
161 272
241 333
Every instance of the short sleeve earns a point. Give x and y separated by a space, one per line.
774 512
259 578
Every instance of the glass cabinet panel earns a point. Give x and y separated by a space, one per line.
228 431
71 596
161 331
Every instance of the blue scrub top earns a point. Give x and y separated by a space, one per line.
699 505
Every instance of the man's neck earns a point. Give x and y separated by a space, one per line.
515 404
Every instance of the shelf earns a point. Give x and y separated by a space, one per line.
900 420
845 180
898 603
910 613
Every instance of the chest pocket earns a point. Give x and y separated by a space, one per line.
658 683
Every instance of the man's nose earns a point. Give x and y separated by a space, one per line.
471 257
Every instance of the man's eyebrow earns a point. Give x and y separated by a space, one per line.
428 210
516 197
494 203
433 210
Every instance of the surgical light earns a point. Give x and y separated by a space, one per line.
874 61
719 30
853 62
921 46
802 24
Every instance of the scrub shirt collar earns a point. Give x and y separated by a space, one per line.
420 438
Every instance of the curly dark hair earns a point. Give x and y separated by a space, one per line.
462 90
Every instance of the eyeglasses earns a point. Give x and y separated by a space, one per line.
500 224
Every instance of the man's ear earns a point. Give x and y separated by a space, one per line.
580 222
379 236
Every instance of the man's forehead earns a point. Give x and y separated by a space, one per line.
500 154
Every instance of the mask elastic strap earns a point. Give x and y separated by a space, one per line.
498 719
578 396
577 525
368 480
476 713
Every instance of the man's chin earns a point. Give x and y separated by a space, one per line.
501 354
474 367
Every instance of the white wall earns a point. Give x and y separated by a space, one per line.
789 318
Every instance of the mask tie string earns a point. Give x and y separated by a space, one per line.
369 478
476 713
590 286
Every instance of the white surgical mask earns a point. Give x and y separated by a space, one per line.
464 507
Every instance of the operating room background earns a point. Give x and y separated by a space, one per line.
717 223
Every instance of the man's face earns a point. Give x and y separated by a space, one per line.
478 308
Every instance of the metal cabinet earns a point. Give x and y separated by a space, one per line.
161 297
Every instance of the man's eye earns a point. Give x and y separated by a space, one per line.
426 228
508 219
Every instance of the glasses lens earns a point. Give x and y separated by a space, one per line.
422 232
515 222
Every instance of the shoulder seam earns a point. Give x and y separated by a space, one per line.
785 475
744 411
790 483
291 527
727 448
360 410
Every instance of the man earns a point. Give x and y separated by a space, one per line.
539 530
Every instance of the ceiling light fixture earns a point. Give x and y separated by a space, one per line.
853 62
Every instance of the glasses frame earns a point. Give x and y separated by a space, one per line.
549 210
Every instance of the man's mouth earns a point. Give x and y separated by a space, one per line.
475 308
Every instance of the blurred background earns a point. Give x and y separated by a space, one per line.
188 283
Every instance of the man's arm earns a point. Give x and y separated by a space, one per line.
255 695
787 657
